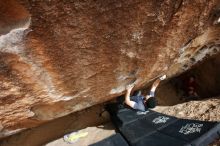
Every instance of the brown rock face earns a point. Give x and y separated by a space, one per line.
12 15
77 54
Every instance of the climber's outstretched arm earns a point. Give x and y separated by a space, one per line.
154 86
127 96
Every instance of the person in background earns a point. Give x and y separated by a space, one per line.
191 88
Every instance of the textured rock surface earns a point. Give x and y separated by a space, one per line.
80 53
12 15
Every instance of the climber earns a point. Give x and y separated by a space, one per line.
140 102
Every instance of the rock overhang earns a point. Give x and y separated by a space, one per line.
83 53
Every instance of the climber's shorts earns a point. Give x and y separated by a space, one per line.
139 103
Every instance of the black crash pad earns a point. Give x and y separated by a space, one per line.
146 125
190 130
158 139
114 140
157 129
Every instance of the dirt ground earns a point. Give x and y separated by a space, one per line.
95 134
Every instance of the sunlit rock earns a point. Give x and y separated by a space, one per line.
76 54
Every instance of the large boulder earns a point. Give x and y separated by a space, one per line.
76 54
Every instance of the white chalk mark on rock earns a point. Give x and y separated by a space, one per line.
65 98
137 36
